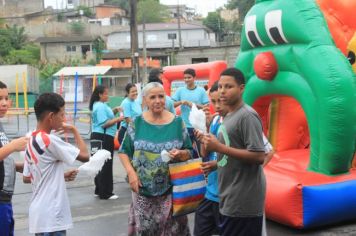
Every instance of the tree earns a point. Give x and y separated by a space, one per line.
124 4
20 56
214 22
98 47
151 11
243 5
86 11
77 27
5 45
46 72
17 36
14 47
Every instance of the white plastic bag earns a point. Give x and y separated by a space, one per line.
165 156
96 162
197 119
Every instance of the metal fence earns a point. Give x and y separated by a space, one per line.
18 122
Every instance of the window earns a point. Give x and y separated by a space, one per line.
200 60
85 49
172 36
71 48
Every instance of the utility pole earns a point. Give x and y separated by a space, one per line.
144 48
134 42
179 28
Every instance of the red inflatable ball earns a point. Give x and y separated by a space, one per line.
265 66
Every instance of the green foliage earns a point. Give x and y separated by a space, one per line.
243 6
92 62
216 24
98 47
17 36
48 69
60 17
5 45
124 4
34 50
20 56
14 47
86 11
151 11
77 27
2 23
46 72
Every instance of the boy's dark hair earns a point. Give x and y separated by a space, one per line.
48 102
215 87
2 85
100 89
154 78
128 87
155 72
236 74
190 71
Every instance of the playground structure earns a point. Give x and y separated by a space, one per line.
206 75
21 120
304 89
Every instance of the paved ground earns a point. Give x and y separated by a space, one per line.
93 217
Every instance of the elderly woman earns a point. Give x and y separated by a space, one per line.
147 136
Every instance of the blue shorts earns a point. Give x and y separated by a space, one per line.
241 226
6 220
207 218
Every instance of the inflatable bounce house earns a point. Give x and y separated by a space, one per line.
304 89
206 75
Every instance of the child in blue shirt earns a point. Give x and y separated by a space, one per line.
207 216
185 97
131 108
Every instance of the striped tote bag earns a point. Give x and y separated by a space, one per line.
189 186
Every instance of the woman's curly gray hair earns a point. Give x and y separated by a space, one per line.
150 86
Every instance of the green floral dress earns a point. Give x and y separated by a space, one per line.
151 210
144 143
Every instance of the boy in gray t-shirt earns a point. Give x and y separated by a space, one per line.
241 155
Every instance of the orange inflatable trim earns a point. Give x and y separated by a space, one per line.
341 20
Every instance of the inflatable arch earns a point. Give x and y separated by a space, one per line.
208 72
294 71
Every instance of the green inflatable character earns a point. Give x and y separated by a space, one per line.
310 69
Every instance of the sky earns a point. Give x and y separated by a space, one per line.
201 6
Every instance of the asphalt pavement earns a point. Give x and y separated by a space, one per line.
95 217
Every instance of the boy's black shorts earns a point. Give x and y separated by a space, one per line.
241 226
207 218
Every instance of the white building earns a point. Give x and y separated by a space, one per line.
71 4
185 13
164 35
